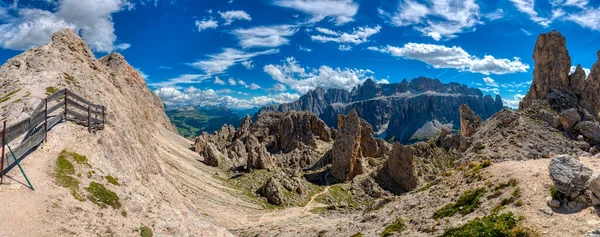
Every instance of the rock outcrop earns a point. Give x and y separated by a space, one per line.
401 168
469 121
346 151
402 111
570 176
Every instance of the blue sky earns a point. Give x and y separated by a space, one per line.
247 53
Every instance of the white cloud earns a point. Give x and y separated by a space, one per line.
182 79
490 82
242 83
301 48
219 81
248 64
253 86
291 74
265 36
165 67
589 18
122 46
494 90
232 82
340 11
225 91
438 18
345 47
277 87
357 36
586 70
173 97
219 63
207 24
91 19
526 32
499 13
440 56
230 16
528 7
142 74
576 11
514 103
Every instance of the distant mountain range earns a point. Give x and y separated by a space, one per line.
192 121
405 111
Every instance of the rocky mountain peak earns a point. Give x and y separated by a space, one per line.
552 66
69 40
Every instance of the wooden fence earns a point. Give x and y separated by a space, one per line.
61 106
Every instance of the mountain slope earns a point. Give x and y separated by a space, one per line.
397 111
191 122
162 185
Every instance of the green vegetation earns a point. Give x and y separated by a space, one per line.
397 227
321 233
427 186
90 174
51 90
113 180
102 197
7 96
124 213
491 225
62 177
69 79
554 192
358 234
472 172
338 194
516 194
145 231
193 122
466 203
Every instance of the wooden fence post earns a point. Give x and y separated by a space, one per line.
65 104
46 119
89 123
3 144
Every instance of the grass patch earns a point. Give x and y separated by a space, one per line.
124 213
102 197
51 90
145 231
397 227
426 187
62 177
505 224
90 173
69 79
466 203
358 234
319 210
7 96
554 192
112 180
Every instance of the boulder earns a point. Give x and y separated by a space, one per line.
589 129
213 157
594 186
569 175
593 233
550 119
569 118
271 190
401 168
469 121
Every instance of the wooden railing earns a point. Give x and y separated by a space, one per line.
44 117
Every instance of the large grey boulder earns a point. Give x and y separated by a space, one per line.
272 191
570 176
569 118
594 186
589 129
593 233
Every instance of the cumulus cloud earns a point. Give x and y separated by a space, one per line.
302 48
291 74
248 64
438 18
345 47
440 56
90 19
219 81
253 86
192 96
586 70
265 36
207 24
230 16
514 102
357 36
340 11
490 82
232 82
242 83
277 87
219 63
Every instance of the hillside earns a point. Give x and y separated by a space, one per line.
191 122
406 111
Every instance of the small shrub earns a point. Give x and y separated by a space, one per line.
492 225
124 213
554 192
397 227
429 185
519 203
512 182
145 231
112 180
51 90
466 203
102 197
496 194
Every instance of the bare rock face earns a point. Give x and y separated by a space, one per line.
244 128
213 157
570 176
258 157
569 118
346 149
401 168
272 191
592 90
551 70
296 130
469 121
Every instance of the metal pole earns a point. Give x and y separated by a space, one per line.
3 142
21 168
